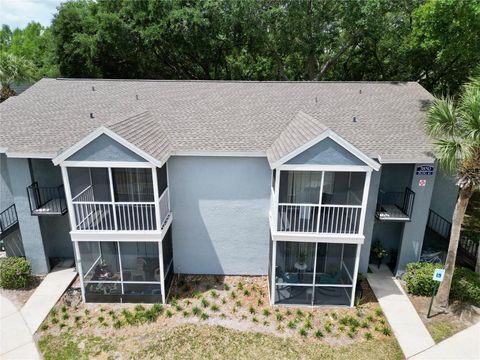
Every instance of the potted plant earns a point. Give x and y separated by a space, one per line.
379 252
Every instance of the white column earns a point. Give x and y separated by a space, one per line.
320 201
156 198
112 196
168 185
162 275
79 267
68 196
366 188
355 273
275 202
272 282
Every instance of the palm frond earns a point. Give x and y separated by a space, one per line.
449 153
442 118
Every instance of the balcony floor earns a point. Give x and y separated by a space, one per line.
391 213
52 207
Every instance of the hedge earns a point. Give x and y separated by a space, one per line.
465 282
15 272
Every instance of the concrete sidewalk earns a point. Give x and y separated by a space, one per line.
463 345
411 333
46 296
16 341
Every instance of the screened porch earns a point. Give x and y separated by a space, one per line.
319 201
125 199
308 273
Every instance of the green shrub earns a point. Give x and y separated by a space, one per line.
465 283
15 272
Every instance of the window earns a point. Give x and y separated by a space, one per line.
343 188
132 185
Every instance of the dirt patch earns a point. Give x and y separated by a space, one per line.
20 296
442 325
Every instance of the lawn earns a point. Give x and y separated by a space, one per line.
215 317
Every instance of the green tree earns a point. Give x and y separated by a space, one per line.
455 126
13 69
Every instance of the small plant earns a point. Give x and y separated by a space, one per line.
280 328
351 334
254 319
365 324
226 287
370 318
386 331
204 316
341 328
251 309
266 312
15 272
382 321
102 309
168 313
205 303
139 308
233 295
63 309
266 323
87 312
197 294
359 313
187 302
101 319
44 327
261 293
303 332
243 317
214 307
279 316
288 312
224 301
308 324
77 318
62 325
111 313
54 320
300 313
178 307
259 302
318 334
238 303
65 316
292 324
117 324
214 294
328 327
246 292
223 316
378 312
196 311
240 285
368 336
186 314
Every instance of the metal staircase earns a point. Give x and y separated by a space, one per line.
8 221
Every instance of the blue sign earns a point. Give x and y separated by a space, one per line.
438 274
425 170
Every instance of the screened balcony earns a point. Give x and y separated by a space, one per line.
319 202
307 273
123 199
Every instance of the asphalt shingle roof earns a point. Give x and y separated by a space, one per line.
168 117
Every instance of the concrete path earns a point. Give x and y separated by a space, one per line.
46 296
463 345
407 326
16 340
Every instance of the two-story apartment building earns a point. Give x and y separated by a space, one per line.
139 180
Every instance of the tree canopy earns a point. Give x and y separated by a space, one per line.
435 42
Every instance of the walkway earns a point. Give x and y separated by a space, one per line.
463 345
407 326
46 296
16 341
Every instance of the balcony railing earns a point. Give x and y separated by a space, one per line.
46 200
314 218
123 216
8 219
395 206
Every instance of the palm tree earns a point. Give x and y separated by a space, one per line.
455 126
13 69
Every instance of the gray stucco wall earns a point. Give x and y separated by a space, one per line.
20 178
55 229
369 221
6 197
413 232
445 193
220 214
105 148
326 152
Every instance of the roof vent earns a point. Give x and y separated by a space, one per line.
360 91
91 116
316 99
93 88
136 96
354 119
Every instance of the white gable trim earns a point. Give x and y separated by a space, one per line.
102 130
339 140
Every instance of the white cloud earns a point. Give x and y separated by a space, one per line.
18 13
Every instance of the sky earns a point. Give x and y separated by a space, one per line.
18 13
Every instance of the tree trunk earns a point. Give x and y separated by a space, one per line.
477 265
441 300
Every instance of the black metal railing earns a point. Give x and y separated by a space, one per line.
403 201
8 218
439 224
46 200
